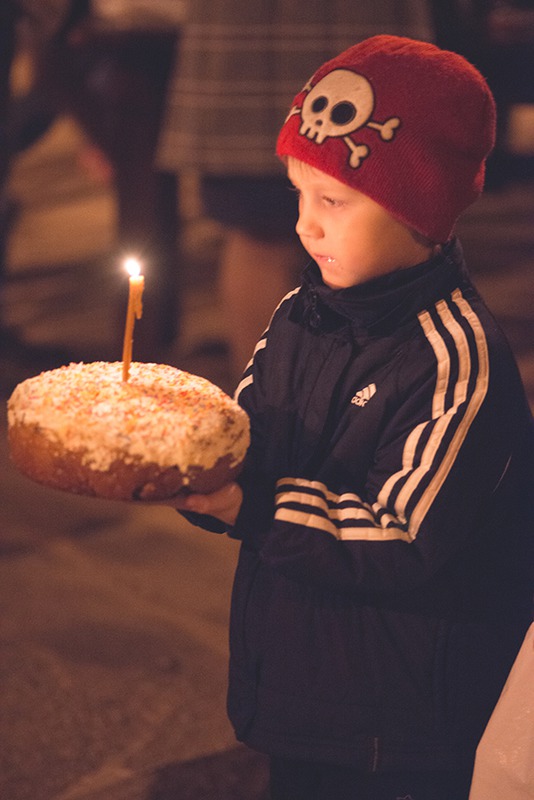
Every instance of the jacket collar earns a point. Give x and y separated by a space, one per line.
383 303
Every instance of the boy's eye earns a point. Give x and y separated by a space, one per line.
331 201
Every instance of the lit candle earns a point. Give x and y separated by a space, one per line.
135 311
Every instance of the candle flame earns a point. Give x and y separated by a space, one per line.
133 267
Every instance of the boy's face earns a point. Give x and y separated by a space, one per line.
349 236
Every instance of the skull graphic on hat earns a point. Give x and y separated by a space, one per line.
338 105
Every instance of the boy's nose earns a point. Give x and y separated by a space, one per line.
306 226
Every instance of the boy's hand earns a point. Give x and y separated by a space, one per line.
224 504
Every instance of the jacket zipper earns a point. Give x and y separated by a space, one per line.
313 316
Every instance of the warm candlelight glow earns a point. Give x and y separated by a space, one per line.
135 311
133 267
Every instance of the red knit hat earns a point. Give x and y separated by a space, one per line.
404 122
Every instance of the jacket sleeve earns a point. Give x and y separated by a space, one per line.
257 509
448 444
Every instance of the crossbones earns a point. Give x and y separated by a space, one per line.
339 104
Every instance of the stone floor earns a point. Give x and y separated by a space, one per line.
113 618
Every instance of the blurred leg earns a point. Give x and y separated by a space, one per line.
254 276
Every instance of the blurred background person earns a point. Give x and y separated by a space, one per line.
111 75
24 118
236 67
108 71
498 37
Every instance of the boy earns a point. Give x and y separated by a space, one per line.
384 583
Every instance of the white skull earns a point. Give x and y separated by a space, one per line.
339 104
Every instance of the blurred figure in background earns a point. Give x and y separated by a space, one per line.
498 37
111 76
236 69
109 73
506 56
24 118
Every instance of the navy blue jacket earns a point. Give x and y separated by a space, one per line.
385 581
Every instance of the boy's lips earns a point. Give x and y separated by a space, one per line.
323 259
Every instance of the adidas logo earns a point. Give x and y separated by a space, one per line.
362 397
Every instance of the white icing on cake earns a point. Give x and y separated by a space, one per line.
161 415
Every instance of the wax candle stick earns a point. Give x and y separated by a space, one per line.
135 311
